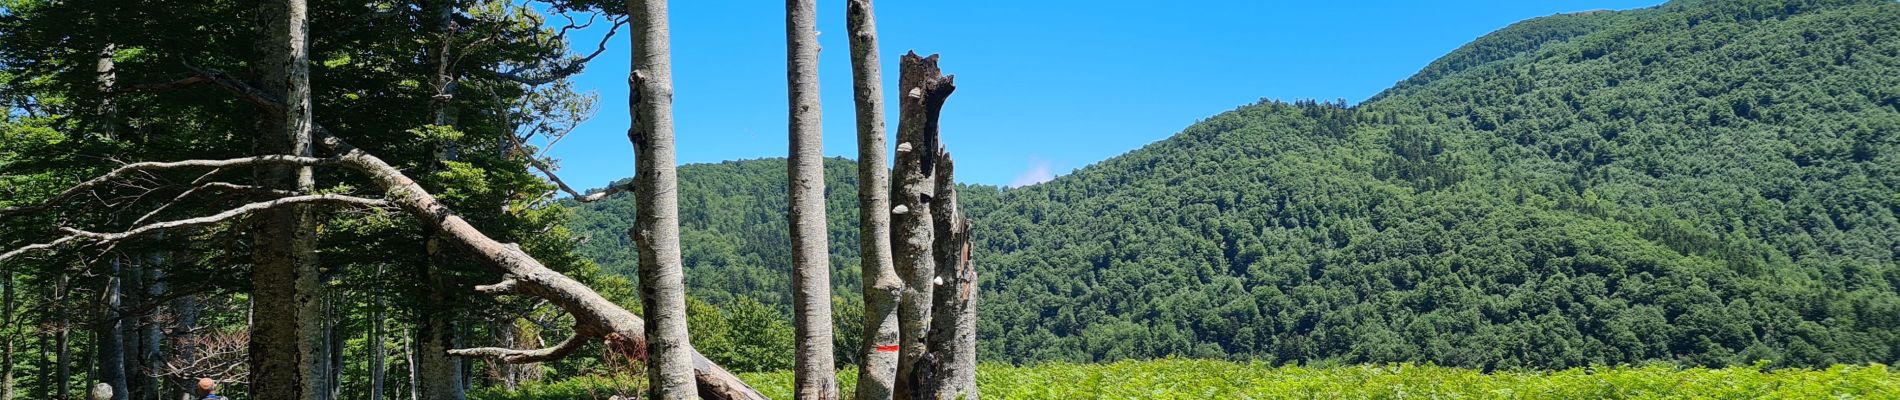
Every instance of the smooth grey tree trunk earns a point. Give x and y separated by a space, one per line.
151 336
952 341
877 376
9 333
333 379
183 339
437 377
814 375
409 350
108 334
132 286
378 353
656 213
286 344
62 339
110 331
924 89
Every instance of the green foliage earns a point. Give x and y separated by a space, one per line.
373 78
1209 379
576 388
1677 184
1700 183
745 336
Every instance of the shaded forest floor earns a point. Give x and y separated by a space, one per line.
1209 379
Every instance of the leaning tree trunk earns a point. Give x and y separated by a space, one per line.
656 213
952 341
285 343
877 376
924 89
813 376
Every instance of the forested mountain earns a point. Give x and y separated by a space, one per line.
1701 182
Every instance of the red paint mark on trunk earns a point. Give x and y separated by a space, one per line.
887 348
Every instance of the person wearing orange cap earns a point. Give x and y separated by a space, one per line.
208 390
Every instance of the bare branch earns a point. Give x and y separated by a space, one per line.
205 220
167 86
564 70
228 187
37 247
128 169
239 88
611 190
517 356
503 287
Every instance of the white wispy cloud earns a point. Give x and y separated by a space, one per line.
1039 171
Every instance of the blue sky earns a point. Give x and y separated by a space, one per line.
1043 87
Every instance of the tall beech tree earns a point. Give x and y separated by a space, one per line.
814 374
656 220
285 314
877 372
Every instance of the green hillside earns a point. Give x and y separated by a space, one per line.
1702 182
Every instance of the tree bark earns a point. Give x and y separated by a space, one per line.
656 214
132 286
924 89
335 320
877 376
285 347
378 353
409 357
150 334
185 312
814 375
437 378
110 331
62 339
439 375
952 341
9 333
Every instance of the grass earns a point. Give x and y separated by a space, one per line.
1209 379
